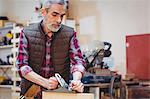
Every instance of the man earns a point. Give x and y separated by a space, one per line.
47 48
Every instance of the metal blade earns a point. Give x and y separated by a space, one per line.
61 81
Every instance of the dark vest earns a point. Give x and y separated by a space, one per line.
59 51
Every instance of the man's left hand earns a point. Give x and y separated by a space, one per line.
77 85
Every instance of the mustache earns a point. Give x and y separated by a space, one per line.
57 24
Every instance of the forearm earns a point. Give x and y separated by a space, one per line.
76 83
76 58
77 75
35 78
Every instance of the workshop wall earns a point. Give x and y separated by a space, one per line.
2 11
18 10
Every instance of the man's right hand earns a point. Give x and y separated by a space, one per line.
52 83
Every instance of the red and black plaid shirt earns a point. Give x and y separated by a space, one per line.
77 61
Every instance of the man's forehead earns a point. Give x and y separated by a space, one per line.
58 8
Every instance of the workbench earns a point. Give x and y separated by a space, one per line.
64 95
97 89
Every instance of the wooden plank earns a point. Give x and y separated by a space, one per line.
60 95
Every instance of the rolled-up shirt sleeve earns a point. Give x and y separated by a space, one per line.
76 57
22 57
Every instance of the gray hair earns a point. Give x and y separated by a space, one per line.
48 3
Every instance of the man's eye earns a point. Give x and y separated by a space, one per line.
62 16
54 14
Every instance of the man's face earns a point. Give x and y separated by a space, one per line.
54 17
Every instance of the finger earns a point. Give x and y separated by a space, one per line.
75 83
52 82
52 86
53 79
79 89
49 86
77 86
82 89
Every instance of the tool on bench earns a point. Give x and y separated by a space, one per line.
62 82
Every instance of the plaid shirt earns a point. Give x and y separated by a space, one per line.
77 61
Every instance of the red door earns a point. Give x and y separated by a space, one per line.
138 56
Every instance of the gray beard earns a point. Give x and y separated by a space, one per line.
49 26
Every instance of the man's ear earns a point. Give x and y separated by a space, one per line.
43 12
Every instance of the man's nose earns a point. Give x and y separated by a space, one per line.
59 19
